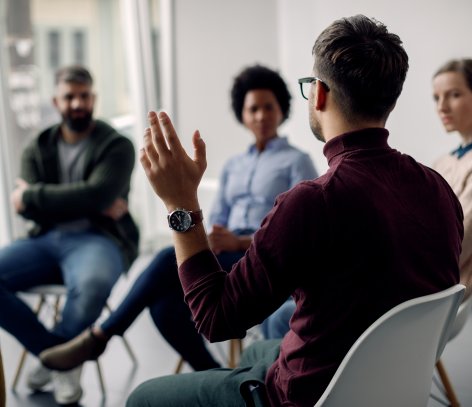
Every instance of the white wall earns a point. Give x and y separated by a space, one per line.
432 32
215 39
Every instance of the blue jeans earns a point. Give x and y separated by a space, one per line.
87 263
276 325
158 288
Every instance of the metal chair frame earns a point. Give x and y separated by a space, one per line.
57 293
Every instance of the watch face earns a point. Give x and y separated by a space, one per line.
180 221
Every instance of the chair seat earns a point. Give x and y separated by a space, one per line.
47 289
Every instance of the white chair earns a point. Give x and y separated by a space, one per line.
56 292
459 322
391 364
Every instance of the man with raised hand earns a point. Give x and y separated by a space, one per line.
374 231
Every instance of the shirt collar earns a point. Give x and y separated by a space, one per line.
461 150
354 140
277 143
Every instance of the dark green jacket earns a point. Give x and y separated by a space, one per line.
109 162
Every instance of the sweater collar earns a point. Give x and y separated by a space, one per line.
354 140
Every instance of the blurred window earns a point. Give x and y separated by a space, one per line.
54 48
78 47
39 36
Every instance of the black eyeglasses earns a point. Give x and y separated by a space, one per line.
305 85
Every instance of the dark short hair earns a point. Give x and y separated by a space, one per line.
74 74
364 65
259 77
463 66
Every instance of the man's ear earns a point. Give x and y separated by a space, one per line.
320 96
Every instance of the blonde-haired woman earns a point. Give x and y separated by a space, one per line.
452 91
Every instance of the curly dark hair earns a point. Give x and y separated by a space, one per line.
259 77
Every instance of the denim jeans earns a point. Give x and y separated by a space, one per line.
87 263
276 325
158 288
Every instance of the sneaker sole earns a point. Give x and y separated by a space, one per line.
69 400
38 386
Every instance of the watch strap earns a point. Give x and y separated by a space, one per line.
197 217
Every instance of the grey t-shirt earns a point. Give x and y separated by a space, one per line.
72 165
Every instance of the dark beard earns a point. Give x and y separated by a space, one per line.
78 124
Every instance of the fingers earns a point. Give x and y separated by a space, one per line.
199 150
148 154
157 140
169 131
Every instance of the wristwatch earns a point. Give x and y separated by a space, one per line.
182 220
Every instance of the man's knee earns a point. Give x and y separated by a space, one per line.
148 394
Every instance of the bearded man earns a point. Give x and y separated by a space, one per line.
73 188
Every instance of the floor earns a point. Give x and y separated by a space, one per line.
156 358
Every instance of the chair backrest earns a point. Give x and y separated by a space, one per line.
392 362
461 318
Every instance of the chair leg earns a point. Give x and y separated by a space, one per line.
57 311
129 350
450 394
180 365
235 350
100 378
19 368
21 362
3 395
125 341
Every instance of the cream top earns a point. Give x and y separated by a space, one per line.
458 173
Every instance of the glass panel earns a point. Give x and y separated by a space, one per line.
78 47
38 36
156 33
54 47
91 35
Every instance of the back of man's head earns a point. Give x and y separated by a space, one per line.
363 64
74 74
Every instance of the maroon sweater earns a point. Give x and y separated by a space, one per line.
376 230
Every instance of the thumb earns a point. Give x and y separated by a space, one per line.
199 150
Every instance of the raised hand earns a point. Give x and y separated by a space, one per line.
172 173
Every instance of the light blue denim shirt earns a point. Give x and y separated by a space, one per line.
250 182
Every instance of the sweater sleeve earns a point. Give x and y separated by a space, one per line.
108 179
224 305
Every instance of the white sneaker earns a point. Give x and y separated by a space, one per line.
38 377
67 388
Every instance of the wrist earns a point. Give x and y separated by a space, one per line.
191 204
182 219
